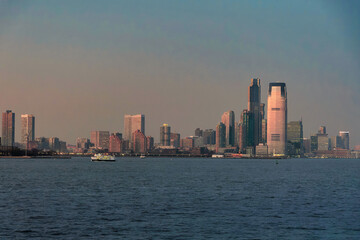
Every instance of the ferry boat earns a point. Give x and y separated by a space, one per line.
101 157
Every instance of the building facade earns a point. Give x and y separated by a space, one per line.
139 142
220 136
133 123
277 119
345 139
228 119
27 129
8 129
295 138
100 139
165 132
254 106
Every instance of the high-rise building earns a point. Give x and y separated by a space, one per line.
220 136
345 138
116 144
295 137
335 142
175 140
323 142
165 131
263 130
133 123
82 143
149 143
247 136
322 130
8 128
254 106
228 119
54 144
209 136
100 139
313 143
198 132
277 119
27 129
139 142
187 143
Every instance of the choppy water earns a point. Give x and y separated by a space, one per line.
180 199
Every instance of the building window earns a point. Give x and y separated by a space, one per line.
275 137
275 109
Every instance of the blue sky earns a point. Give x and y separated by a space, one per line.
82 65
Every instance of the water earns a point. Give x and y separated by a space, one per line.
179 199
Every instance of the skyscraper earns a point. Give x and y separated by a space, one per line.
295 137
8 128
228 119
345 139
100 139
133 123
247 133
139 142
277 118
220 136
175 139
27 129
165 130
254 103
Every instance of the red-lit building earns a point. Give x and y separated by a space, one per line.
139 142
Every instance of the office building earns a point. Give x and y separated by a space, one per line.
116 144
220 136
165 131
254 107
133 123
209 137
8 129
175 140
295 138
100 139
27 129
336 142
277 119
228 119
83 143
198 132
54 144
345 138
149 143
247 132
139 142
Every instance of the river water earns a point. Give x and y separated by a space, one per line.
188 198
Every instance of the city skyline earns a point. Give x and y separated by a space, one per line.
78 73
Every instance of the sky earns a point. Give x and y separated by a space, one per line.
82 65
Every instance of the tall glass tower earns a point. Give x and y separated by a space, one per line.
254 103
277 119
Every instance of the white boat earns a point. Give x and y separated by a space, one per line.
142 156
102 157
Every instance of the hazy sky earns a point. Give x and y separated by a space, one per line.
81 65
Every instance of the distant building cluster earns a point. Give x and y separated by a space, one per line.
262 131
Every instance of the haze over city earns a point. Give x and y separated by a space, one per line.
80 66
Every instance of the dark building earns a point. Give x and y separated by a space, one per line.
175 140
209 136
198 132
220 136
165 131
295 138
8 128
149 143
254 103
247 129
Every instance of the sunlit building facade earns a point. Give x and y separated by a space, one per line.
277 119
27 129
228 119
8 129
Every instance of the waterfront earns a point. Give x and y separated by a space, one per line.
178 198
